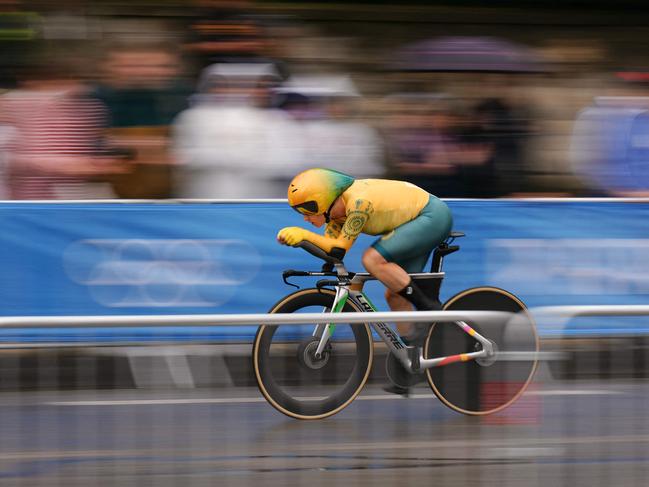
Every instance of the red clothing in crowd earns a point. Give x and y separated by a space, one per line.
57 132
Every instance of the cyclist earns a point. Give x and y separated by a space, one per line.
411 223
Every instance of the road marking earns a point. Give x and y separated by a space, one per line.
476 447
142 402
478 444
571 392
246 400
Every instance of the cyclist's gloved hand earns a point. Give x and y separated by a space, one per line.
291 235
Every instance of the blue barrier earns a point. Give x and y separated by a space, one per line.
184 258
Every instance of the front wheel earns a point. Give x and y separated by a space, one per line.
295 380
483 386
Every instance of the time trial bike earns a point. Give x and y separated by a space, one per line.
314 371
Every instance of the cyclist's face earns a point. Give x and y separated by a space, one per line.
315 220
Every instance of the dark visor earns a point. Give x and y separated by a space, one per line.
307 208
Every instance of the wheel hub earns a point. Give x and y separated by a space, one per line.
307 354
489 359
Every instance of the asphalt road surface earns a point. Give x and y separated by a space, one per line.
558 434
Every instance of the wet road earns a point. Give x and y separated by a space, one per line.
558 434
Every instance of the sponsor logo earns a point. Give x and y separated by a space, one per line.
366 306
390 335
385 329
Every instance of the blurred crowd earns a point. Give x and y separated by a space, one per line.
229 99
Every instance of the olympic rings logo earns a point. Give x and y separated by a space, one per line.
161 273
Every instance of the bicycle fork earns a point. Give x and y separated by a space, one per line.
325 330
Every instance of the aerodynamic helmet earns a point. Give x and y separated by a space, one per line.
312 192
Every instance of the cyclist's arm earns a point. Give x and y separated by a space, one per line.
333 229
343 238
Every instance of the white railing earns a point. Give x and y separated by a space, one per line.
245 319
557 315
592 310
544 312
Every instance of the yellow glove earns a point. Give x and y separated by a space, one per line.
291 235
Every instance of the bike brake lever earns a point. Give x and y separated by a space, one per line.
290 283
290 273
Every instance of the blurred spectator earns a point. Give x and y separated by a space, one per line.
7 138
231 143
493 158
331 134
225 30
423 143
610 146
143 91
58 146
241 84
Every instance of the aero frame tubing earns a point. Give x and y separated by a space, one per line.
327 330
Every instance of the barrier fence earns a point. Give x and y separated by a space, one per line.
207 257
179 357
544 312
248 319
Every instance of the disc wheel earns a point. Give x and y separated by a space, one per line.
488 385
293 378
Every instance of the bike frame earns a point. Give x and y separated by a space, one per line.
353 291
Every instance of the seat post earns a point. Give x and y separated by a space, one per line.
444 249
438 258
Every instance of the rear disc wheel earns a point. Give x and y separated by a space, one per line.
488 384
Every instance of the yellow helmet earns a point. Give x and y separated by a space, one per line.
312 192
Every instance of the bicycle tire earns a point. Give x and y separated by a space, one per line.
470 387
280 391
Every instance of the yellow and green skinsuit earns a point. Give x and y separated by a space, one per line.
373 207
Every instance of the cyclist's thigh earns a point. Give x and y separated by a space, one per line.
410 244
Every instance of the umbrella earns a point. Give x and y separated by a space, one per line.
482 54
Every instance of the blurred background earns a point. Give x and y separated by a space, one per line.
531 118
187 99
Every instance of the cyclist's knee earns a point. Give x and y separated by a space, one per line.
372 259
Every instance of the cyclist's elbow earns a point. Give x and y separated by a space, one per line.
343 244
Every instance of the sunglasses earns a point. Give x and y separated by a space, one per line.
307 208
